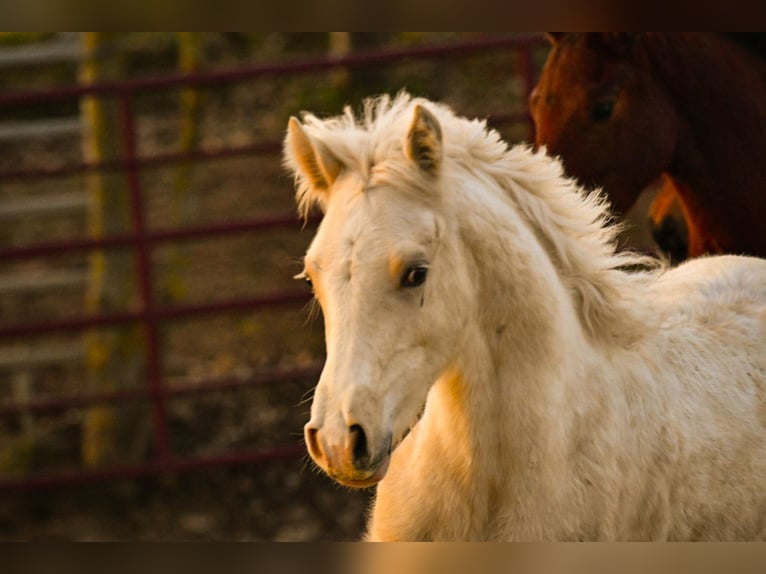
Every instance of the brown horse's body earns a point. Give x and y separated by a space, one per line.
621 110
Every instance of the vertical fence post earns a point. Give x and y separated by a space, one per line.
114 356
145 282
183 193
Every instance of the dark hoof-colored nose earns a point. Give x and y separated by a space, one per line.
353 452
357 445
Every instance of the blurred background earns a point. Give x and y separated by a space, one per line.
156 357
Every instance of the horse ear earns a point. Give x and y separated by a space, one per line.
555 37
616 43
310 158
424 141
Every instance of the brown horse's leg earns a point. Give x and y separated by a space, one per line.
669 223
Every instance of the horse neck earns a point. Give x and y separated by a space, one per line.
521 297
507 378
499 414
500 417
718 90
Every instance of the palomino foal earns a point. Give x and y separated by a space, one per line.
497 368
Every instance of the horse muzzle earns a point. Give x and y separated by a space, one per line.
349 460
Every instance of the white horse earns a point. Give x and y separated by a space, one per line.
497 368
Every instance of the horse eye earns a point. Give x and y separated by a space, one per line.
304 277
414 276
602 111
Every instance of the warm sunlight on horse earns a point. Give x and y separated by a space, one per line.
497 367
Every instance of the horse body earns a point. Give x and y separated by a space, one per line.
547 454
621 109
493 367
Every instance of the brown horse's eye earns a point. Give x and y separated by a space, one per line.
602 111
414 276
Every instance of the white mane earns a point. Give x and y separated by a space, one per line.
574 227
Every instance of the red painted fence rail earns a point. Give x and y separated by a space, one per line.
142 240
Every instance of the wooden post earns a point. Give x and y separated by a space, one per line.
114 359
340 45
184 199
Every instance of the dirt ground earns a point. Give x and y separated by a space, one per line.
283 501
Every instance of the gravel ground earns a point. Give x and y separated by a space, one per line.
275 502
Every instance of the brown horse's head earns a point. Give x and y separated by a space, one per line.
599 107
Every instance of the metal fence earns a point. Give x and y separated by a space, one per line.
150 314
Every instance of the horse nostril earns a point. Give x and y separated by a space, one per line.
314 444
358 444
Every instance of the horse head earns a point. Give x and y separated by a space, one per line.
375 265
599 108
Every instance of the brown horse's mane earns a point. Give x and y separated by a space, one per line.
702 70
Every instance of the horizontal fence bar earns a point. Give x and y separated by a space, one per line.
41 280
42 205
307 65
39 129
64 49
60 403
256 224
29 357
163 160
81 476
160 314
155 161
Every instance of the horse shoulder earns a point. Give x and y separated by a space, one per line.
418 500
430 491
397 510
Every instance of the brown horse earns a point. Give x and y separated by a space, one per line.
622 109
